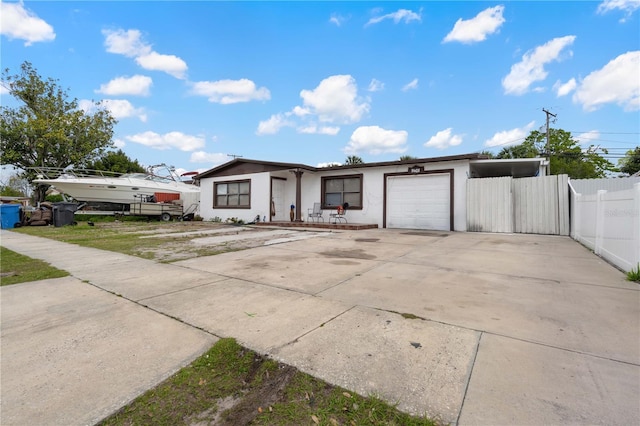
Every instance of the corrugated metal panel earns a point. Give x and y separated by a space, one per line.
540 205
537 205
489 205
592 186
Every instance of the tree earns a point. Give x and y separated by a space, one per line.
407 157
527 149
630 163
353 159
47 129
116 161
565 154
9 191
487 154
15 186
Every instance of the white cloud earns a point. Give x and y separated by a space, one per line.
208 157
322 130
231 91
531 68
169 140
119 143
627 6
510 137
300 112
16 22
4 90
443 140
375 85
376 140
329 164
121 108
563 89
273 124
129 43
138 85
170 64
401 15
337 19
412 85
476 29
588 138
335 100
617 82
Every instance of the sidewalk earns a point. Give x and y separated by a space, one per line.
497 329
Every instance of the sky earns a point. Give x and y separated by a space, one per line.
196 84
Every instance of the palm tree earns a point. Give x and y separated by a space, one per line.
353 159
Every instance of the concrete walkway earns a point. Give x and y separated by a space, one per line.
464 327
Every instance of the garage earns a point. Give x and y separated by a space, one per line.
421 201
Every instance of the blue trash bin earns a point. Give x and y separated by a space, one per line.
9 215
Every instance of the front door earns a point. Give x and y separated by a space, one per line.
278 205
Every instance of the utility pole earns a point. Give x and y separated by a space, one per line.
548 147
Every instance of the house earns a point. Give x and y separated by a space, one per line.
425 193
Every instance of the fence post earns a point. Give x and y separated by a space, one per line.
577 216
636 224
599 221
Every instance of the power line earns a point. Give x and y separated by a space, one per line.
604 133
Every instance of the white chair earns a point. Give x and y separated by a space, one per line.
315 214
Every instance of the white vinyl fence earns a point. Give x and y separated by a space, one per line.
536 205
608 222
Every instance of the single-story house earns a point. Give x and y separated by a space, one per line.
424 193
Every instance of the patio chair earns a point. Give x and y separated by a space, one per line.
315 214
340 214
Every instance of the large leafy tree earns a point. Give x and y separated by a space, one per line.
630 163
565 153
116 161
48 129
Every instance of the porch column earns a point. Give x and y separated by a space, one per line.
298 174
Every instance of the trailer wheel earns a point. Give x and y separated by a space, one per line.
165 217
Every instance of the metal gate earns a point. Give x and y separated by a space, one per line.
537 205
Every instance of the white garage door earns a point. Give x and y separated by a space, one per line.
419 202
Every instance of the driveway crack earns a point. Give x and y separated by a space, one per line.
466 389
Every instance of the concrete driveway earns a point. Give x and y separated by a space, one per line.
468 328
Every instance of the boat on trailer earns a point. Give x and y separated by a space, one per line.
117 191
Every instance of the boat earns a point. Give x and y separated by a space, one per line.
97 186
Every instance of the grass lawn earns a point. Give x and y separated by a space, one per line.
132 237
230 385
16 268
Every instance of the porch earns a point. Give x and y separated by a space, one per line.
320 225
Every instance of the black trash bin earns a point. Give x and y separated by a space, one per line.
63 213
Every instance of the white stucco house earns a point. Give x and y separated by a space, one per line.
425 193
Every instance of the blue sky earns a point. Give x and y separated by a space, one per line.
313 82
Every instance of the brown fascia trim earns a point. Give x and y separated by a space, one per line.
474 156
235 161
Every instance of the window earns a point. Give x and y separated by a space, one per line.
337 190
235 194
